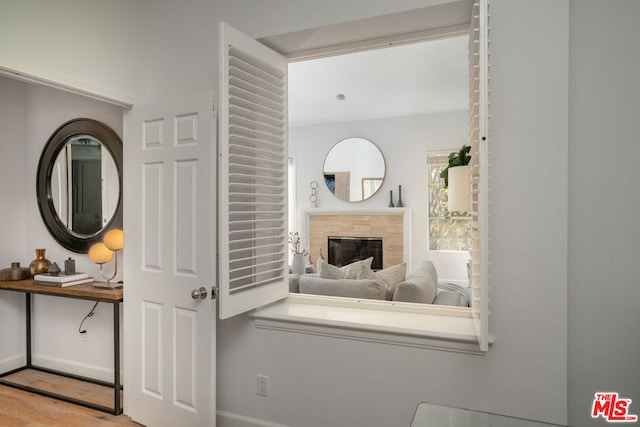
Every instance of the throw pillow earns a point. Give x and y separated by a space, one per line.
390 277
426 267
421 286
369 289
418 288
350 271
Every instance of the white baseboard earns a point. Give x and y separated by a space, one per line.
73 367
12 362
227 419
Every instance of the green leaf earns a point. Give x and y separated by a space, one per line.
460 158
445 175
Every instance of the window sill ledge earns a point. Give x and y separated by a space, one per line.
432 327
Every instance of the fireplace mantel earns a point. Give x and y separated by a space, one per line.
347 216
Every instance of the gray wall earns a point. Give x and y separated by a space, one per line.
404 143
13 228
604 205
326 381
186 60
28 116
563 232
92 44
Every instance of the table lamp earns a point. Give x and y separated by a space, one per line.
458 197
101 253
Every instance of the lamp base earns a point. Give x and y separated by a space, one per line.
112 285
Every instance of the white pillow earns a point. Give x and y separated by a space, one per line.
390 277
350 271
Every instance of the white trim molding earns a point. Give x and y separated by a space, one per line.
29 73
12 362
228 419
413 325
74 367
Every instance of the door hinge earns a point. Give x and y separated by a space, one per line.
214 292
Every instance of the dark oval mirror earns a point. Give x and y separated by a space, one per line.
79 183
354 169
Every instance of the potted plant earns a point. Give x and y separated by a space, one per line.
457 158
456 179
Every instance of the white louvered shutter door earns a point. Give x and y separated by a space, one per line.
478 136
253 174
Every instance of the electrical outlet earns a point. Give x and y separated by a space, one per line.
263 385
85 337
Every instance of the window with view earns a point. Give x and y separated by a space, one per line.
448 231
362 318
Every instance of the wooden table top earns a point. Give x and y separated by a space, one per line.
83 291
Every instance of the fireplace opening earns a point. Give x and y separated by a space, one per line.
345 250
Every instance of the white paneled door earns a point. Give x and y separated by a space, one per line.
169 222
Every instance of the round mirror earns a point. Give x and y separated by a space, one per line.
354 169
79 183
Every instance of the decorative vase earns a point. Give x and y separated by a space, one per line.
391 199
15 272
399 204
70 266
298 266
40 264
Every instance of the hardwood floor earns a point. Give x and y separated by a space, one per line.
23 409
72 388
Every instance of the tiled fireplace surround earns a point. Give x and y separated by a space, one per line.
392 225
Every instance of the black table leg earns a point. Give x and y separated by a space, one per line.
116 409
28 314
116 357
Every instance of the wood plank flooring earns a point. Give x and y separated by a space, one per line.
24 409
80 390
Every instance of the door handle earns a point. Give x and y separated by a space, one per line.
199 293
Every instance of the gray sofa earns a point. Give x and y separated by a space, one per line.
420 286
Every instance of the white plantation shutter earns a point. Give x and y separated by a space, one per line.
253 174
478 138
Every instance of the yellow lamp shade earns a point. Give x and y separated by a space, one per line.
114 239
100 253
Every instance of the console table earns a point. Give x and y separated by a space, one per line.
85 291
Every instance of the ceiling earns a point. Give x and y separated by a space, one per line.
411 79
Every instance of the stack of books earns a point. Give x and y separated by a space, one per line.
62 279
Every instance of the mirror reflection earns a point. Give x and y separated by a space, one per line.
84 184
354 169
79 183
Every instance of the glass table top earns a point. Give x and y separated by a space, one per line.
430 415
